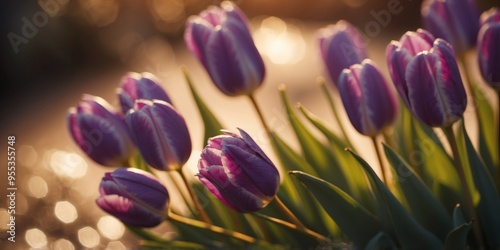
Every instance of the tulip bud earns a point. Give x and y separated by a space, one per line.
456 21
237 172
221 40
488 47
134 196
340 46
435 90
399 53
136 86
160 133
100 131
368 100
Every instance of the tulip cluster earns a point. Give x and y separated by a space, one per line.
346 190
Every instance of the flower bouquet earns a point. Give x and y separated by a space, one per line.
435 190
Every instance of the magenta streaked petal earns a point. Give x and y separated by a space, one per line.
341 46
136 184
491 16
456 21
129 212
237 197
424 97
100 132
136 86
160 133
238 173
489 53
233 61
146 138
221 40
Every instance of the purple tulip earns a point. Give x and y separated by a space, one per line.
435 90
341 46
134 196
160 133
400 53
488 47
100 131
456 21
237 172
136 86
221 40
367 98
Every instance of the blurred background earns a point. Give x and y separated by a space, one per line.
53 51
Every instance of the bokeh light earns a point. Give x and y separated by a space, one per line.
89 237
65 211
38 187
67 164
110 227
282 43
36 238
63 244
116 245
29 155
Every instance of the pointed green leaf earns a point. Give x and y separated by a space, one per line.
315 153
355 176
294 196
354 220
488 208
411 235
457 238
419 198
212 124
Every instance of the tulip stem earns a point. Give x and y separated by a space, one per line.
213 228
183 195
288 213
379 157
334 110
448 131
201 212
259 112
287 224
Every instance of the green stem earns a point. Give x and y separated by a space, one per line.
334 110
287 224
259 112
178 187
201 212
448 131
288 213
213 228
379 157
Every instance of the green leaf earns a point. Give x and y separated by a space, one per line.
381 241
411 235
170 245
457 238
315 153
418 197
212 124
355 177
295 197
487 131
488 208
353 219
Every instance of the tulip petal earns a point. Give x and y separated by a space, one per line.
489 53
138 184
128 212
263 176
426 100
253 145
196 36
237 197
